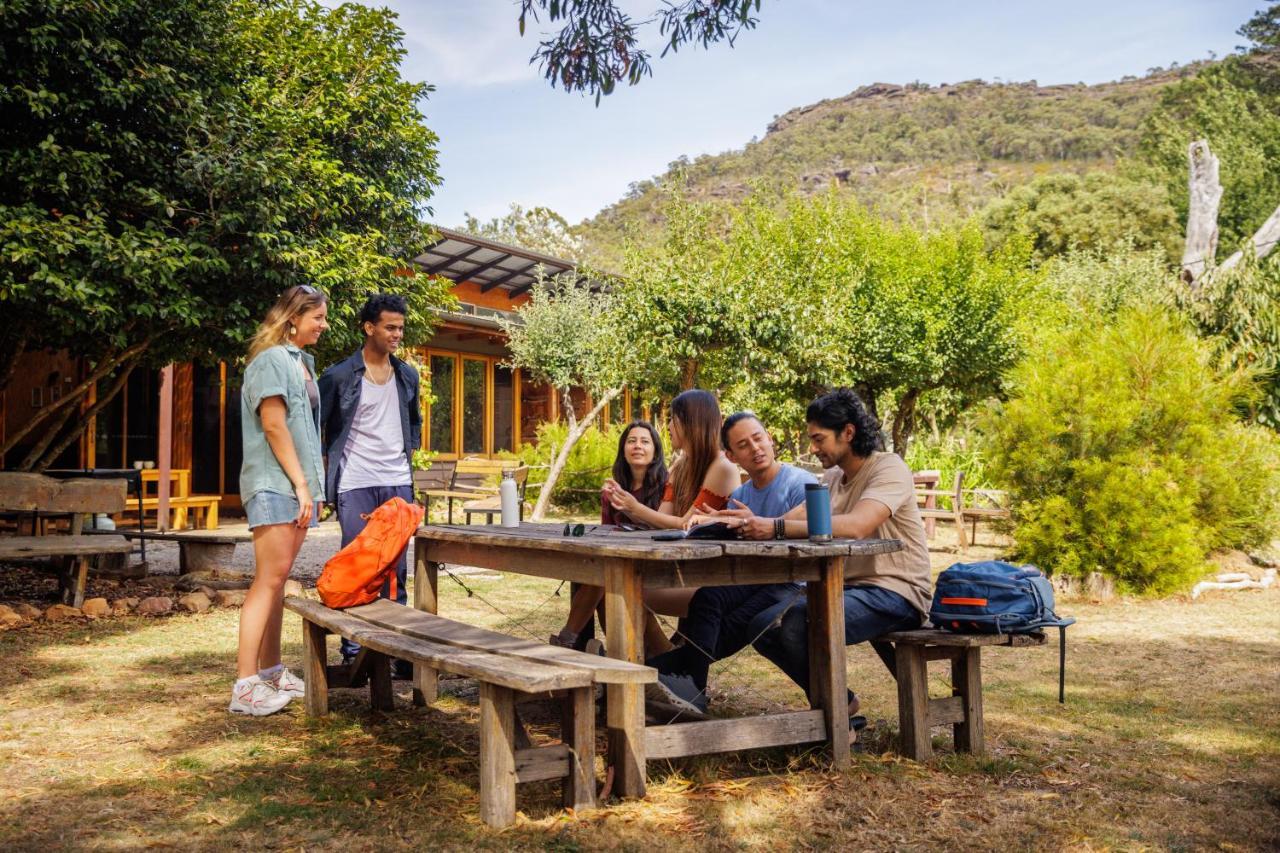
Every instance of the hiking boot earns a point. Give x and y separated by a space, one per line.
679 692
287 682
256 697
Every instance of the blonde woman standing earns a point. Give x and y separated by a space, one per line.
281 481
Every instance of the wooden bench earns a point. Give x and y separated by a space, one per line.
203 508
492 505
963 507
506 667
30 493
197 552
470 481
907 654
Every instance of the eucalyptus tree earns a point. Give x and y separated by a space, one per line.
568 337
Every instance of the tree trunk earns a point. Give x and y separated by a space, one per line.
576 430
42 444
1263 241
10 355
689 377
114 391
104 366
1202 212
867 394
904 421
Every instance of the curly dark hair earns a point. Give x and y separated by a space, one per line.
392 303
840 407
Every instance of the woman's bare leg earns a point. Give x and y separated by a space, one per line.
582 606
274 548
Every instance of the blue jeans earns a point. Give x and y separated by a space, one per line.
353 504
718 626
869 611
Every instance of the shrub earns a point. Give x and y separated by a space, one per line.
955 452
589 464
1123 455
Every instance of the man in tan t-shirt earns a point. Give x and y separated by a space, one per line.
872 495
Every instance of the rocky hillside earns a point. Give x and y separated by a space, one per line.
926 152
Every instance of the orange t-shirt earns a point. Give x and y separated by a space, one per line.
705 497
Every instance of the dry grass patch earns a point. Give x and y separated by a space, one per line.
114 735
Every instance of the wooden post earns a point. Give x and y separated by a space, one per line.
828 681
426 578
1204 195
623 600
165 449
497 755
913 702
381 696
578 731
315 675
966 680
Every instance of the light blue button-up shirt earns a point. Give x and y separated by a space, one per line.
277 372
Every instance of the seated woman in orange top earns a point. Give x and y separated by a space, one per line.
703 477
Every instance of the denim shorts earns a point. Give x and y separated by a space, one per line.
267 507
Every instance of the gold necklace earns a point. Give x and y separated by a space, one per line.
368 369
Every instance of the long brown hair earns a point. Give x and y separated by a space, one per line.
655 476
699 416
293 303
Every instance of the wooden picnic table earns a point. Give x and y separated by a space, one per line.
625 563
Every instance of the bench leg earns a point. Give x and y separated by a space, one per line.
578 731
964 545
497 755
966 680
380 694
211 517
74 578
913 702
426 574
828 679
314 673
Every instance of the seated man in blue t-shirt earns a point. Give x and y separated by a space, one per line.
716 626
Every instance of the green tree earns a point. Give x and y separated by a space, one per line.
566 336
1235 105
1102 210
167 169
540 229
1122 453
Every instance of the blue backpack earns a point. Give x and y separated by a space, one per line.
998 598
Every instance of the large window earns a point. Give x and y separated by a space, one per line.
475 408
475 373
442 409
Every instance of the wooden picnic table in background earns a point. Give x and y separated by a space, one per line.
625 564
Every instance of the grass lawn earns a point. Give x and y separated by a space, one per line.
114 734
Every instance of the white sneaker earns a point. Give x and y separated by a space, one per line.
287 682
256 697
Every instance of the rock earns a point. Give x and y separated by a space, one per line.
229 597
123 606
26 611
9 618
195 602
292 587
1233 561
61 613
156 605
96 607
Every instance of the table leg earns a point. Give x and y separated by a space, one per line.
828 684
624 609
426 574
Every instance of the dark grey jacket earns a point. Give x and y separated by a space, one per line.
339 397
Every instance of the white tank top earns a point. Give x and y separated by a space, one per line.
374 455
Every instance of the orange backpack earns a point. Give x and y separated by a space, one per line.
355 575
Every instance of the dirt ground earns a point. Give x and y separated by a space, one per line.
114 735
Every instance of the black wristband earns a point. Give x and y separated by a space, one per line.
779 528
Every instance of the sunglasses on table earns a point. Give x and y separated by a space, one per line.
577 529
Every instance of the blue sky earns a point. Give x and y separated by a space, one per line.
507 136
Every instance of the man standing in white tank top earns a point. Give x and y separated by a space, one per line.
372 423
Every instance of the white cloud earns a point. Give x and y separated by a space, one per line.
475 43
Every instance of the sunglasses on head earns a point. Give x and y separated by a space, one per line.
308 289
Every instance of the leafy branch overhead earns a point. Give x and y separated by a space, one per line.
599 45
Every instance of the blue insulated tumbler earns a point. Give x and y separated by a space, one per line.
817 509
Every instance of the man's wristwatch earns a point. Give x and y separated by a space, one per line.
779 528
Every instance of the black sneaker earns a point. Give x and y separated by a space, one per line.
679 692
